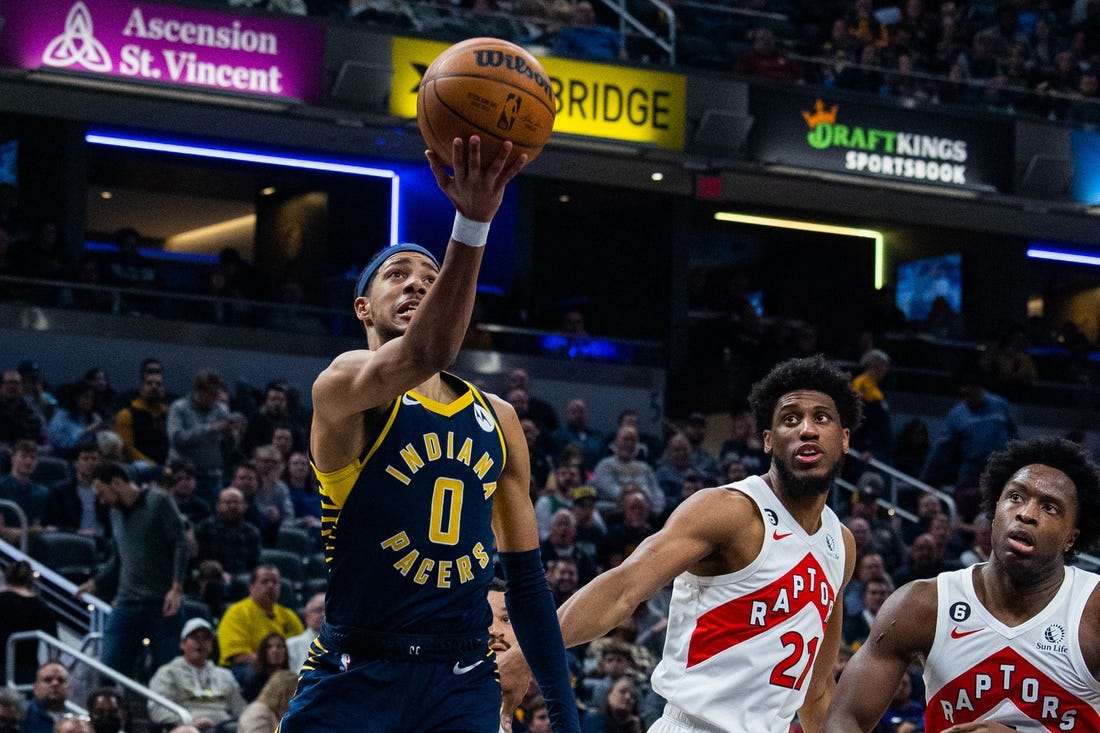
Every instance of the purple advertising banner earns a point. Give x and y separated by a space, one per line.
162 43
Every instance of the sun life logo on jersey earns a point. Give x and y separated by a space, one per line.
77 44
483 419
1055 634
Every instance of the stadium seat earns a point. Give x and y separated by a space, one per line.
71 555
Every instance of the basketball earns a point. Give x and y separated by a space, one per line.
488 87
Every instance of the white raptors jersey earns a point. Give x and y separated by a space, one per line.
1031 676
740 646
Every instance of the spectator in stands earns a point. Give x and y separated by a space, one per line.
695 430
623 467
106 711
245 624
586 39
626 531
105 395
19 487
127 267
980 61
194 682
925 560
561 543
271 656
538 454
928 508
88 293
47 706
869 566
72 506
867 76
179 481
75 419
246 477
982 546
143 424
558 494
765 60
227 538
302 486
561 575
35 392
297 647
649 446
575 429
12 710
197 425
272 495
273 413
886 538
673 467
856 626
541 411
590 527
745 444
273 700
875 434
148 566
842 44
22 610
979 424
866 26
520 401
620 712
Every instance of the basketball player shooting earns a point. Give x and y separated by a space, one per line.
420 472
1012 644
759 569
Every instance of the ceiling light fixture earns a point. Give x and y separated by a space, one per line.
812 226
243 155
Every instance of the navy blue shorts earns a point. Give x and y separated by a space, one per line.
409 683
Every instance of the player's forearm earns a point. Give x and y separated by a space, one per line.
443 316
595 609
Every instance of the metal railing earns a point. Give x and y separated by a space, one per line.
85 616
59 647
22 517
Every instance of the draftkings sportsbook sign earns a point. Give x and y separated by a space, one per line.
820 132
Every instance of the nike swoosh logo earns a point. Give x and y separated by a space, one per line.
409 400
776 535
459 669
956 634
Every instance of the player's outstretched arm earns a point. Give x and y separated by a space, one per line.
905 626
822 683
697 529
359 380
530 603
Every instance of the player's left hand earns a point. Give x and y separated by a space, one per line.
980 726
515 678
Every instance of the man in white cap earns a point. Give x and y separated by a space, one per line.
207 691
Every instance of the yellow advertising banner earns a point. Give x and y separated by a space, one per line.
594 100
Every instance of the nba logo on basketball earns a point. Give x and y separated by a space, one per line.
509 112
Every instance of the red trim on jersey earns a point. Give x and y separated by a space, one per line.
728 625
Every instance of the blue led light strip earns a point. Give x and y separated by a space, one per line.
251 156
1061 256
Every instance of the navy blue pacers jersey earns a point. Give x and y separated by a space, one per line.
406 527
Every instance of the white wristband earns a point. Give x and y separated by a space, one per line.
470 232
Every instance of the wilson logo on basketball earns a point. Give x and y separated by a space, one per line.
491 58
